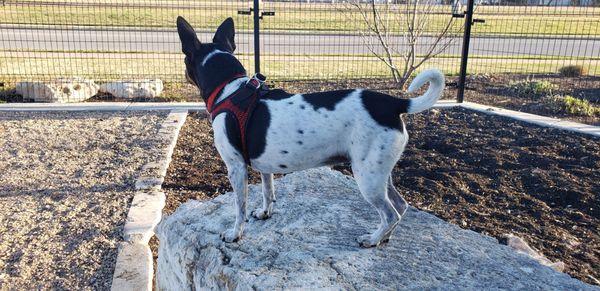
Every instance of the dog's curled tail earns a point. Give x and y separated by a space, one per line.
436 86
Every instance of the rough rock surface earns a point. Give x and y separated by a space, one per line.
310 242
134 89
58 91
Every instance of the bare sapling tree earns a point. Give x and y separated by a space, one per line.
412 21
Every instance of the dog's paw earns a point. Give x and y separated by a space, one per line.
261 214
366 241
230 236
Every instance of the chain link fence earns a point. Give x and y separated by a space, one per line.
299 40
535 39
107 39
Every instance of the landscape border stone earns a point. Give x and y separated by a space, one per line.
130 89
134 269
61 90
534 119
200 107
103 106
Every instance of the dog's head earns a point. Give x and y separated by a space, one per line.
209 64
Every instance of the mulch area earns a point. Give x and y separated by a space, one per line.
499 91
486 173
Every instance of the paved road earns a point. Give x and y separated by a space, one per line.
276 43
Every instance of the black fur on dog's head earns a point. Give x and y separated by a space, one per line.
208 73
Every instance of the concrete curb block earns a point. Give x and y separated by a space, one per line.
535 119
201 107
145 213
441 104
154 172
134 268
133 106
103 106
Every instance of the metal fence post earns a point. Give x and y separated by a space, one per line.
465 52
256 36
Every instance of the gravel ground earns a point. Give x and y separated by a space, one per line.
67 182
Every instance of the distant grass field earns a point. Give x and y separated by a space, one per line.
505 20
169 67
293 17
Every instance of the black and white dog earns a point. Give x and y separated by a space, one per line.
292 132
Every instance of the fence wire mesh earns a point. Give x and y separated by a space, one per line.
107 39
303 40
333 41
535 39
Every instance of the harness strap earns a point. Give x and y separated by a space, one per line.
240 104
210 101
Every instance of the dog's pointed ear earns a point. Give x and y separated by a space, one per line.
225 35
188 37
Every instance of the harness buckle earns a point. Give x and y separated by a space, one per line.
257 81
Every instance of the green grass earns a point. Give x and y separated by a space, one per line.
306 17
574 106
170 66
170 54
289 17
535 88
171 92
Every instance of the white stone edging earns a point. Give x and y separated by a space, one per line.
534 119
538 120
134 267
103 106
441 104
201 107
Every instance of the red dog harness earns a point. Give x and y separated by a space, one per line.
240 104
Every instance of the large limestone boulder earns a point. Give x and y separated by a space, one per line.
64 90
310 243
134 89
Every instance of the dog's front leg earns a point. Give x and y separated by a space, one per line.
238 176
268 192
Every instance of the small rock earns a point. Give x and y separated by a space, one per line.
519 245
64 90
134 89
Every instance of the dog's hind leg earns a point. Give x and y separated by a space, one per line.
373 186
268 192
397 200
238 176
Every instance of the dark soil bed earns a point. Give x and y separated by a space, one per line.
486 173
500 91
